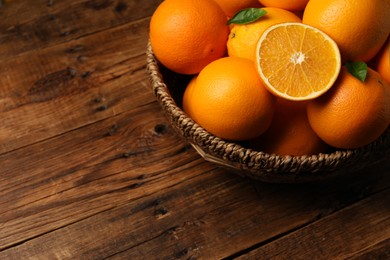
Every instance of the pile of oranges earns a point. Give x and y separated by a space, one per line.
287 77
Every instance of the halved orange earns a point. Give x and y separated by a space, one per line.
297 61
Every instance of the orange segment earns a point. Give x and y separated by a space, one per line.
297 61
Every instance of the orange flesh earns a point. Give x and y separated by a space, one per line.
297 62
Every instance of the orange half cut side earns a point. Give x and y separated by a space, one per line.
297 61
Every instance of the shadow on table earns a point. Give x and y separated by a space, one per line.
334 193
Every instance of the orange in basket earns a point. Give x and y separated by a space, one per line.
297 61
382 61
229 100
295 5
188 35
353 113
359 28
243 38
290 132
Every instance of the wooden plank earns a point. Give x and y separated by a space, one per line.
209 214
361 229
81 82
380 250
31 25
65 179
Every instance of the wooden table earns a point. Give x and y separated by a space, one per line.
91 169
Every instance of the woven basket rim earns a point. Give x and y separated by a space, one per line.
256 164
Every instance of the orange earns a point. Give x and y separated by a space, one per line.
290 132
353 113
187 95
359 27
187 35
297 61
243 38
383 62
229 100
292 5
231 7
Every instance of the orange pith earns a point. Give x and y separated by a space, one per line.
297 61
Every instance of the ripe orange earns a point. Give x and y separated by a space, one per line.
187 95
359 27
291 5
229 100
187 35
297 61
231 7
352 114
290 132
383 62
243 38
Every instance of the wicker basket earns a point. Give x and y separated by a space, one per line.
168 88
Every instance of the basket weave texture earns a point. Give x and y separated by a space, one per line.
250 163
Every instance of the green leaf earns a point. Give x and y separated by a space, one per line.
247 16
357 69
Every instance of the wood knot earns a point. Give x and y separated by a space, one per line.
113 130
102 108
120 7
98 99
86 75
75 49
161 129
160 212
98 4
52 85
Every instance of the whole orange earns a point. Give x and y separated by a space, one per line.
231 7
243 38
291 5
187 35
352 113
229 100
359 27
290 132
382 65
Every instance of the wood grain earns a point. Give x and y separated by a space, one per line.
208 214
326 238
30 25
91 169
80 82
107 158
